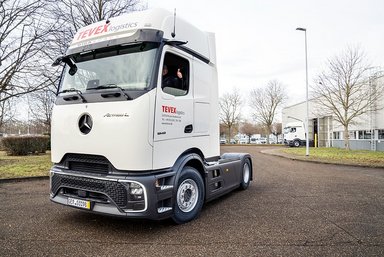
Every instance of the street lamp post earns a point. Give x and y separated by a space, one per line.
306 91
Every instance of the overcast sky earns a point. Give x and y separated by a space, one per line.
257 41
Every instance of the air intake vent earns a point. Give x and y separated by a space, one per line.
87 163
88 167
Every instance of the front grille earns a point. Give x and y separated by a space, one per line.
114 190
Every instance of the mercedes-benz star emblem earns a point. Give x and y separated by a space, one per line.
85 123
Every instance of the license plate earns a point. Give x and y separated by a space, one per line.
79 203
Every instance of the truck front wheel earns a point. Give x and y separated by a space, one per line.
296 143
189 196
246 174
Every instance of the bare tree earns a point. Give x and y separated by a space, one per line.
260 129
277 129
40 107
344 90
248 129
7 112
223 130
23 38
79 13
265 102
230 107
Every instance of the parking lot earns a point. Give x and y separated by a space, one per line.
292 208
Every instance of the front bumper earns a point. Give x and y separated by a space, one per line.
148 196
289 142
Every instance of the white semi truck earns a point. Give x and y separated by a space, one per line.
135 125
294 134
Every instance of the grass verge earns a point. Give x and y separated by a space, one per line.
39 165
337 155
24 166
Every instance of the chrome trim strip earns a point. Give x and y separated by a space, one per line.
163 209
166 187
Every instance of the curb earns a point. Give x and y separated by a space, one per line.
21 179
286 156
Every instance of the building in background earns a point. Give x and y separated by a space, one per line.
367 133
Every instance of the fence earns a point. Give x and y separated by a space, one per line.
360 144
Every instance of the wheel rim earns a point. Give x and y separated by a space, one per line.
187 195
246 172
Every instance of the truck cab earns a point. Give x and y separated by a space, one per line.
294 134
135 125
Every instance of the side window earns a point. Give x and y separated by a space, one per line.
175 75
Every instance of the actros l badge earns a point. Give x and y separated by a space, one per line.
85 123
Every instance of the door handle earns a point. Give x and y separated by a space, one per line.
188 128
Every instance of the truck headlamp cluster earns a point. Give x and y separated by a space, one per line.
136 196
136 189
136 192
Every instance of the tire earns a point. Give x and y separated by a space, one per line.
246 174
189 196
296 143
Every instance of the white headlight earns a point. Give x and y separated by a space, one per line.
136 191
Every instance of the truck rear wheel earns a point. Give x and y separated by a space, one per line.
189 196
246 174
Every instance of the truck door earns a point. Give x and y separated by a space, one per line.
174 102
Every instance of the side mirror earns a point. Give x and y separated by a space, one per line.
66 59
72 71
58 61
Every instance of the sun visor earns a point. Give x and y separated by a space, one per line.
135 36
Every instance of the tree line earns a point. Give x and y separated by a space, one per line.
264 102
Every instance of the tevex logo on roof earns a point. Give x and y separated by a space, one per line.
93 31
104 29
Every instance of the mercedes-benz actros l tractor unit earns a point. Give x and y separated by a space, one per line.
135 124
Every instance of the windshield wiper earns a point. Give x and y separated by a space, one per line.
74 90
109 86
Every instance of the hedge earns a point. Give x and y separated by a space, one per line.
25 145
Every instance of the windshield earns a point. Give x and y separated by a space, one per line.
289 130
128 67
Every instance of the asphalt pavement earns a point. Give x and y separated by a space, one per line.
292 208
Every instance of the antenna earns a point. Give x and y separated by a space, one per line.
173 34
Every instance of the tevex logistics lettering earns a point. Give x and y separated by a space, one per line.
105 28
